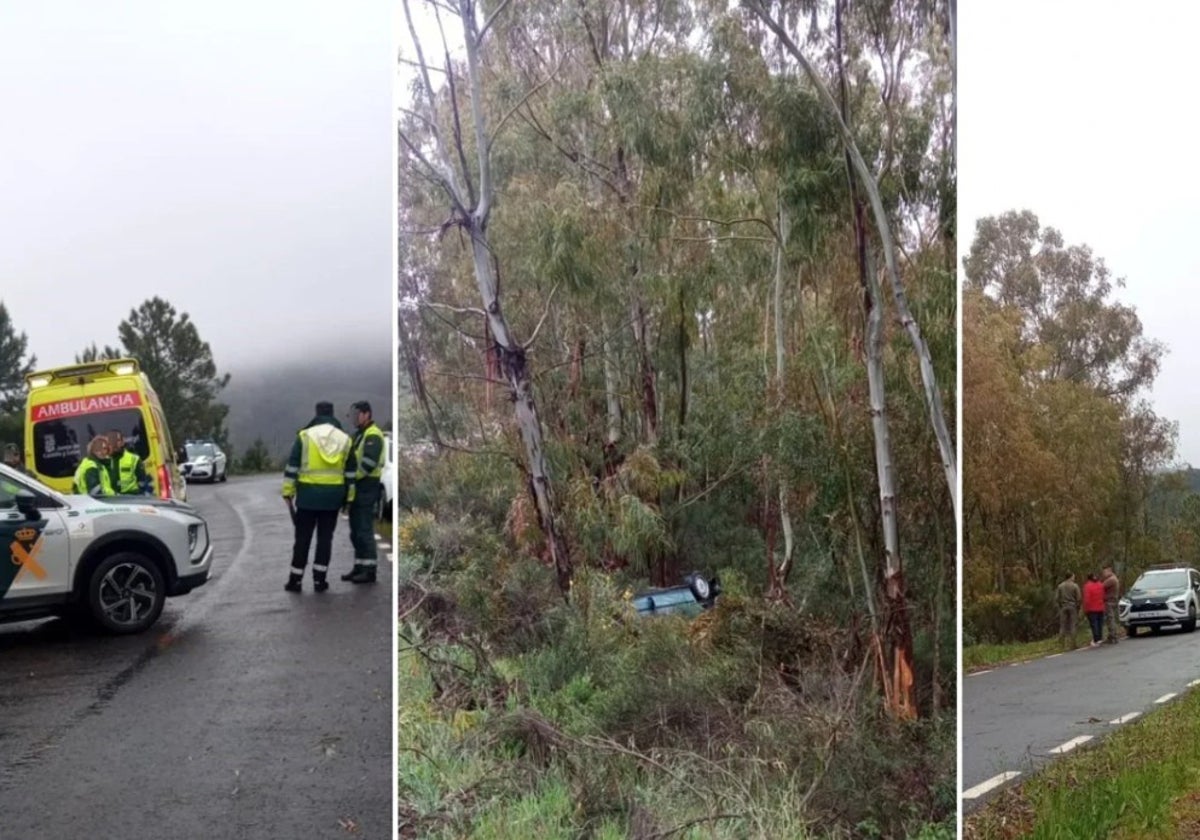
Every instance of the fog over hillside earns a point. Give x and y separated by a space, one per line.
274 399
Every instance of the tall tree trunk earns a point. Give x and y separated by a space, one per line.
899 634
514 368
471 211
683 363
933 397
646 372
416 381
780 577
612 403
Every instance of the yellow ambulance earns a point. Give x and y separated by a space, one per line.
68 406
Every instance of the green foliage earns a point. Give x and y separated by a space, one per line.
1023 616
15 363
181 367
256 458
92 353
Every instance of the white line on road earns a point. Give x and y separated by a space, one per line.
1051 656
1124 718
1193 683
1165 698
991 784
1070 745
977 673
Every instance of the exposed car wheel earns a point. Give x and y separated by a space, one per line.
1190 624
224 475
125 593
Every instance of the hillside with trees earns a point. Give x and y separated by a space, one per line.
1064 456
677 293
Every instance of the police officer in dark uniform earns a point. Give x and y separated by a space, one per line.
368 455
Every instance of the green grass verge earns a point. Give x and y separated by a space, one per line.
1140 782
985 656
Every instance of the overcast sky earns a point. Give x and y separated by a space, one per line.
234 158
1083 113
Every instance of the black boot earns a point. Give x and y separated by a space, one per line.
350 575
365 574
293 584
320 584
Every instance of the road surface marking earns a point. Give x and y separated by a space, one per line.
1070 745
1124 718
977 673
1051 656
1165 698
991 784
1193 683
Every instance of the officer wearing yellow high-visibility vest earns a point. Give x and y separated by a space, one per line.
368 456
317 481
126 470
91 476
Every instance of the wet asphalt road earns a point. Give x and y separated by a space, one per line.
245 712
1016 717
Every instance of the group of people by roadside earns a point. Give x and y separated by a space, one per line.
329 471
1097 600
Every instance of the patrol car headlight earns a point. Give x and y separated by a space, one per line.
197 540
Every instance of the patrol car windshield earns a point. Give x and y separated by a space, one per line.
59 444
197 450
1162 580
12 484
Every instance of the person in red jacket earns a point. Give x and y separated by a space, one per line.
1093 606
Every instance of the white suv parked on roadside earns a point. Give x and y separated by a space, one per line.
115 560
1161 596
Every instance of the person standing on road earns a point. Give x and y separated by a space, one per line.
1068 597
317 481
92 477
1112 594
12 458
1093 606
368 458
126 470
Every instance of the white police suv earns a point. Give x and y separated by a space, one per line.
115 560
1162 595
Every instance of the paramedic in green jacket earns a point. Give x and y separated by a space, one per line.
92 477
317 481
125 468
368 457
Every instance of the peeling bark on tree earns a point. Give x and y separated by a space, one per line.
471 206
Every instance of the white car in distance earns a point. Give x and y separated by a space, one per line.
205 462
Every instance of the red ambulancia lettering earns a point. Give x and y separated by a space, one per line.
86 405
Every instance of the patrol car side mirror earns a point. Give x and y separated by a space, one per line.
27 504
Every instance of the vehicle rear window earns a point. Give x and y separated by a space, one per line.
58 445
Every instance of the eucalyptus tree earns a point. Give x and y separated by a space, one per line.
442 156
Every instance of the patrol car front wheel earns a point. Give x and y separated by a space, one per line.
125 593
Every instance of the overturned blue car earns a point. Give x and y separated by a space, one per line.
696 594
